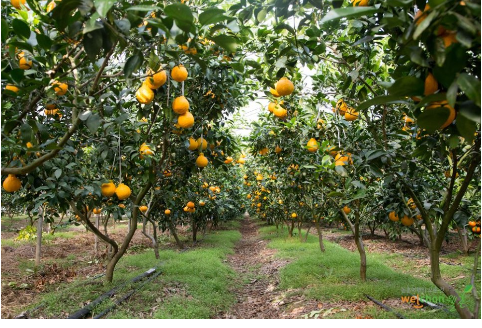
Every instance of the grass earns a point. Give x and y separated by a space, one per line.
334 276
194 284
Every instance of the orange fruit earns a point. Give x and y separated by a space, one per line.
97 210
190 204
431 85
472 224
193 144
12 183
360 3
23 63
421 15
351 114
143 208
156 80
278 150
280 112
145 95
201 161
264 151
284 87
50 6
122 206
167 212
179 73
108 189
346 209
12 88
271 106
449 38
60 88
312 145
228 160
16 3
185 120
180 105
294 215
122 191
393 217
203 142
443 104
406 221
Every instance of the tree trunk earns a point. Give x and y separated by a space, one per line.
463 239
299 231
38 249
152 237
194 230
361 250
320 236
307 233
96 238
448 290
172 229
291 227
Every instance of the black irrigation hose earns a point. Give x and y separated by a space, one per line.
88 308
399 316
127 296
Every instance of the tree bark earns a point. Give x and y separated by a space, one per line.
463 239
38 249
172 229
320 236
361 247
96 238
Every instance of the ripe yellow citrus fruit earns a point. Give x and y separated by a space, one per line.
393 217
23 63
60 88
274 92
180 105
145 95
108 189
203 142
271 106
312 145
360 3
278 150
406 221
193 144
280 112
185 120
436 105
122 191
351 114
97 210
143 208
29 145
228 160
122 206
12 183
179 73
431 85
284 87
421 15
190 204
145 150
12 88
448 38
264 151
167 212
407 119
294 215
346 209
157 80
201 161
16 3
50 6
201 203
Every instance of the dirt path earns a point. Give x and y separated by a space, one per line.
257 277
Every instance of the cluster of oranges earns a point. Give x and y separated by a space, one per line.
475 227
122 191
284 87
145 150
190 207
342 109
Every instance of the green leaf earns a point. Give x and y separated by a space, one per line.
283 26
424 24
466 127
85 115
92 42
103 6
452 93
432 119
26 132
144 8
227 42
17 75
58 173
455 62
341 171
407 86
92 24
212 16
375 154
93 123
123 24
21 28
335 194
471 86
133 64
238 67
4 30
179 12
349 12
453 141
44 41
382 100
